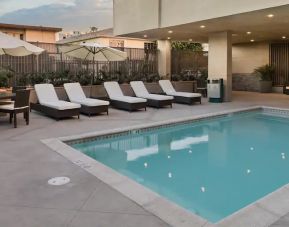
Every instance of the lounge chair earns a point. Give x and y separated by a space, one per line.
88 106
154 100
120 101
179 97
21 105
49 104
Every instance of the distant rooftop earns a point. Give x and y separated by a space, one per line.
106 33
32 27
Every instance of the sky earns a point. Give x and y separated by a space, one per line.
71 15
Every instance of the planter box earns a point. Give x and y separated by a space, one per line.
265 86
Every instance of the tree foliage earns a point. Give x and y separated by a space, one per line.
179 45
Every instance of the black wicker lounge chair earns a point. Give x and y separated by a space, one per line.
118 100
180 97
153 100
89 106
49 104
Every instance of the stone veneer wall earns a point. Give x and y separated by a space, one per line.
245 82
98 91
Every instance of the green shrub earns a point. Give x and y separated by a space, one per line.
266 72
3 80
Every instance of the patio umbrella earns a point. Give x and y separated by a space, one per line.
16 47
93 52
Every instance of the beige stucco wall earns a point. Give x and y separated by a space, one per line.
139 15
131 43
198 10
135 15
246 57
40 36
13 32
164 58
220 64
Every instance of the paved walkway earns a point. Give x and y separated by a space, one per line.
26 200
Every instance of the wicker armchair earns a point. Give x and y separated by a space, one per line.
21 105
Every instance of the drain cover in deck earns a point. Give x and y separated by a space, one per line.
58 181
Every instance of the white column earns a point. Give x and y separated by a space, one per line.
220 60
164 58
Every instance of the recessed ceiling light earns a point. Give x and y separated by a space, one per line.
190 40
283 37
145 36
252 40
202 26
248 33
169 37
170 31
270 15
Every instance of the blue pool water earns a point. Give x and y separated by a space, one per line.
212 168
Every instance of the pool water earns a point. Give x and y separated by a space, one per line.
212 168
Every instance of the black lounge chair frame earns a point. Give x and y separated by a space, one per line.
128 106
187 100
93 110
159 103
55 113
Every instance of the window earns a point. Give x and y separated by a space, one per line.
150 46
116 43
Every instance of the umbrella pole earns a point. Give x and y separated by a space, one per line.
93 75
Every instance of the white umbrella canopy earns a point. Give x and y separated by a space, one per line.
16 47
94 52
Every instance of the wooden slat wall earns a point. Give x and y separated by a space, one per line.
139 60
279 57
184 60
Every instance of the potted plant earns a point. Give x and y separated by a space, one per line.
266 73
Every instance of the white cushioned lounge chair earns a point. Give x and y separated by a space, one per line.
179 97
49 103
154 100
120 101
89 106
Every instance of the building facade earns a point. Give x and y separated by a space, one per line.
240 34
107 38
31 33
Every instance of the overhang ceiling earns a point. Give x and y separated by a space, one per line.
262 27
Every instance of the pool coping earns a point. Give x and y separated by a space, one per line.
262 212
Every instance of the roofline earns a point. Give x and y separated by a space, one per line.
63 41
32 27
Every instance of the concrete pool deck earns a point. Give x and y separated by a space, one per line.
26 164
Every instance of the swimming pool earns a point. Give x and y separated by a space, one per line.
212 168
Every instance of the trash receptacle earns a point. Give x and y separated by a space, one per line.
215 90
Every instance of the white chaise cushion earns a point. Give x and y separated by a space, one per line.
47 97
45 93
76 94
139 88
129 99
167 86
92 102
141 91
158 97
61 105
115 93
185 94
113 89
